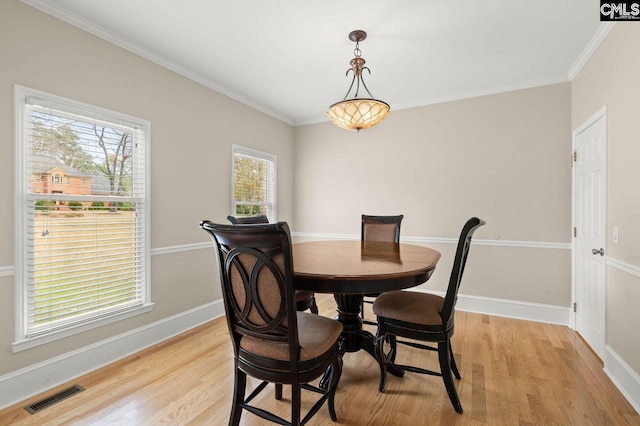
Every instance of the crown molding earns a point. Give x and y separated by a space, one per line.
101 32
591 47
495 90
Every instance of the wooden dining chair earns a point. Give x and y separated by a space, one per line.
305 299
378 228
272 341
425 317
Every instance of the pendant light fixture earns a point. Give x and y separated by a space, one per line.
358 113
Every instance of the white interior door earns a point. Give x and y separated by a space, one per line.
590 230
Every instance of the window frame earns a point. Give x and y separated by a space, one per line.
22 181
271 160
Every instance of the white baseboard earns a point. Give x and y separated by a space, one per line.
623 376
35 379
539 312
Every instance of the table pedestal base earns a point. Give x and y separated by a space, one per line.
354 337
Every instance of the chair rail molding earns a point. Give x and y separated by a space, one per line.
160 251
625 267
181 248
7 271
443 240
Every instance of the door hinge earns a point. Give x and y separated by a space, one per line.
575 155
575 232
575 307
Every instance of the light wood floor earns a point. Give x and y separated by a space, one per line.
513 373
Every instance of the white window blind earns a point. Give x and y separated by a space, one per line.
254 183
84 255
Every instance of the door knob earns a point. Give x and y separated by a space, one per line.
600 252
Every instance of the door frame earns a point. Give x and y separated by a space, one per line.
600 114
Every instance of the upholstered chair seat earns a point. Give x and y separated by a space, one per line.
317 335
410 306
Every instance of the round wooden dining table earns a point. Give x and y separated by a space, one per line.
351 269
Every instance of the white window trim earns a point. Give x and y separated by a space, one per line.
21 95
259 154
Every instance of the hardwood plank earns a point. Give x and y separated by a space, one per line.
513 372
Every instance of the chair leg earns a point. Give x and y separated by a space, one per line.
314 306
278 391
296 402
444 356
454 367
362 308
238 396
393 345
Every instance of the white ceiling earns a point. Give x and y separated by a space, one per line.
288 58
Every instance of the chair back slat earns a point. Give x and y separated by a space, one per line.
256 273
381 228
248 220
459 263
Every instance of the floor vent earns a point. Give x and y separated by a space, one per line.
48 402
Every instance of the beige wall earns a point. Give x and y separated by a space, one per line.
192 130
504 158
610 78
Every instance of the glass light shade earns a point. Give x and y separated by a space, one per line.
358 113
